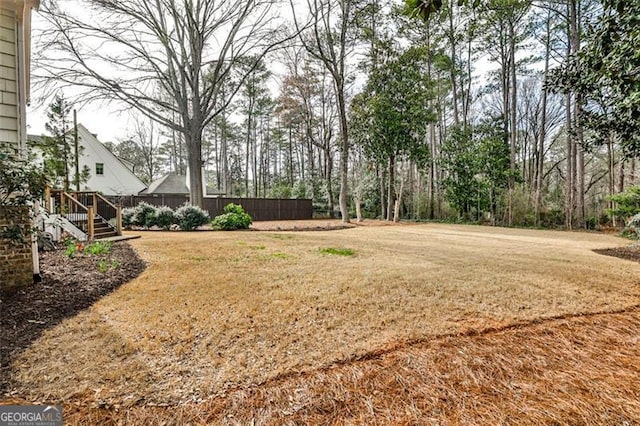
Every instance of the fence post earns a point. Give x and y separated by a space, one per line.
90 217
95 202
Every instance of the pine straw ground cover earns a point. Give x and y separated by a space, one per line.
264 326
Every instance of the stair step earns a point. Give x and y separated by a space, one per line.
99 236
101 228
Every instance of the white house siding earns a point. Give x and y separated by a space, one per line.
9 122
117 179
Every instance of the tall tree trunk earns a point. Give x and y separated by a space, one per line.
543 125
398 201
344 152
194 144
578 151
254 154
621 175
452 71
225 162
570 167
612 178
247 155
513 117
383 206
291 155
432 141
330 196
580 184
390 186
432 171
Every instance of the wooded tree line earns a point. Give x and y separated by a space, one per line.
509 112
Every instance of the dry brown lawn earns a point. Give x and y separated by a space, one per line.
216 314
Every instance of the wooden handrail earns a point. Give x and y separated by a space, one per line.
106 201
76 202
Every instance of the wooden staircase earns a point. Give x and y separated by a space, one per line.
90 213
103 229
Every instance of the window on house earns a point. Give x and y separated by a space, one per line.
99 169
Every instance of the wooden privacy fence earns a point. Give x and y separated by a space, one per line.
259 208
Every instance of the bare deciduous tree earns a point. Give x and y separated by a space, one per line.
330 40
168 59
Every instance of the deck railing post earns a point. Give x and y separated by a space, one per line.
47 199
90 231
64 209
119 219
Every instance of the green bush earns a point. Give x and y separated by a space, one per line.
143 215
627 202
164 217
127 217
191 217
632 228
234 217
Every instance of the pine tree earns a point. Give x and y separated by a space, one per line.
58 147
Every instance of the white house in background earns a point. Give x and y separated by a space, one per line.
107 173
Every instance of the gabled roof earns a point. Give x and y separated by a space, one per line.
174 183
168 184
118 178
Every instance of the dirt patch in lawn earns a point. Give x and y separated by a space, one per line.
318 224
630 252
301 225
68 286
217 313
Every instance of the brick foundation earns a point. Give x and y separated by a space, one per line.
16 262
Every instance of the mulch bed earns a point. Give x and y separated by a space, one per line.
629 253
68 286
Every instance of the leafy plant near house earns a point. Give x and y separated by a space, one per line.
104 265
191 217
96 248
20 181
20 184
234 217
73 247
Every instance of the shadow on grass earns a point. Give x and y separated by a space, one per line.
68 286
